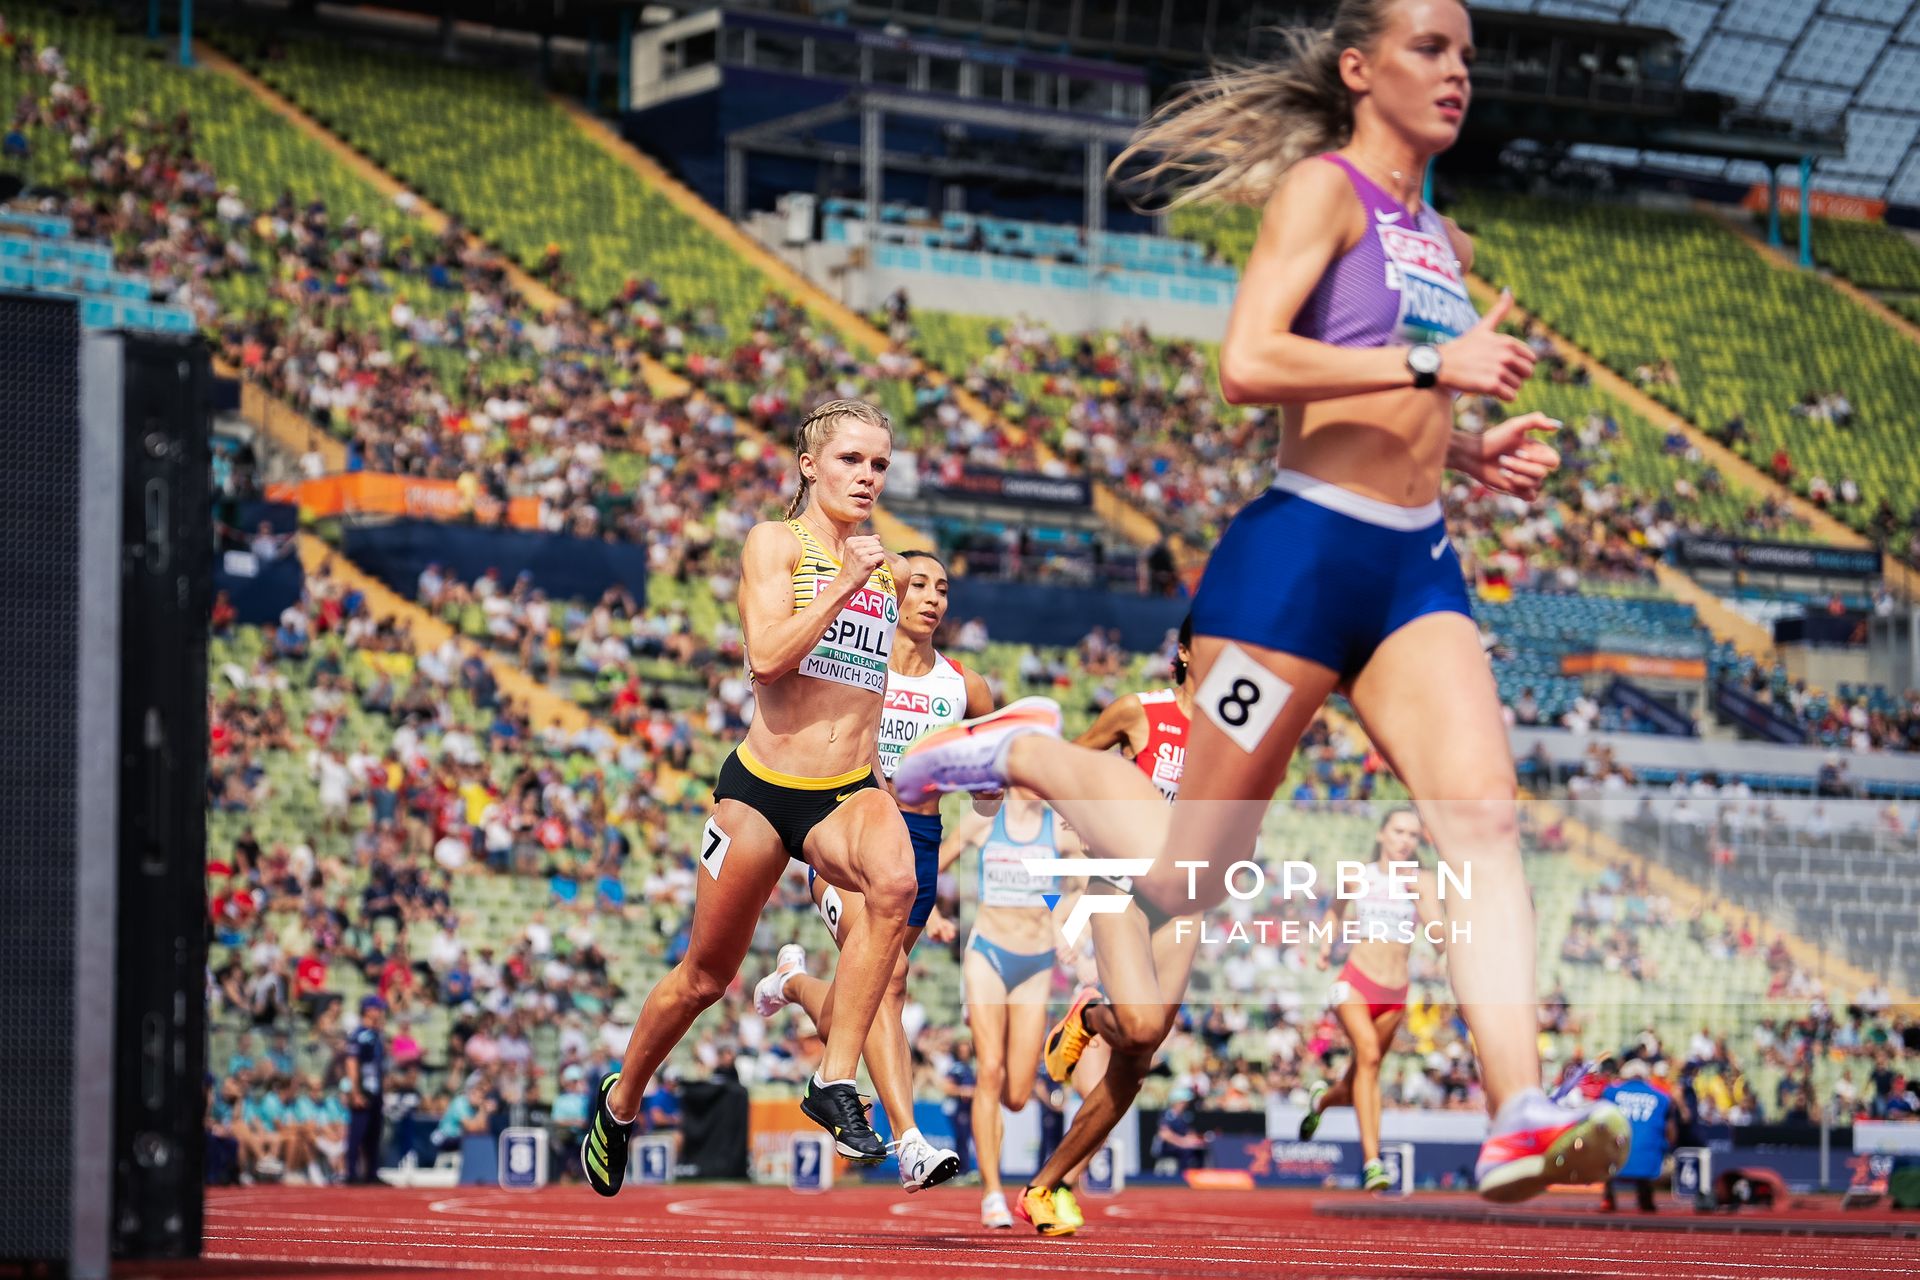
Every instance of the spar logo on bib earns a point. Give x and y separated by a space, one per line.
1421 268
919 704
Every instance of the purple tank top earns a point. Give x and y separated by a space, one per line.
1399 284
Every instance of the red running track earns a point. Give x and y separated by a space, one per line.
710 1232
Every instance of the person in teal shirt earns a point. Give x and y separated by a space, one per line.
469 1112
323 1114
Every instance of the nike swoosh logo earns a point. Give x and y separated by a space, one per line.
846 795
1381 215
1438 548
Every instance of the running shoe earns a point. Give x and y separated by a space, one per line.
924 1165
1310 1122
603 1152
1036 1206
1068 1038
1374 1177
993 1210
971 755
1067 1208
837 1109
770 993
1536 1144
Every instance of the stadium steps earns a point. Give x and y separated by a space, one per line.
1729 625
660 379
543 704
1136 525
1788 260
1590 847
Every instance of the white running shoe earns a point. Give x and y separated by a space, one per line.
924 1165
1536 1143
971 755
993 1211
770 993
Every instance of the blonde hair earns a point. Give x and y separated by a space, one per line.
816 431
1233 135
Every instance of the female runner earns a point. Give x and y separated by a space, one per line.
1353 315
925 690
818 607
1370 995
1008 966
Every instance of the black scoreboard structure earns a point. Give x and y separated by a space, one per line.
106 561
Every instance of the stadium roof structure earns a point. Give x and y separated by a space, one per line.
1792 61
795 135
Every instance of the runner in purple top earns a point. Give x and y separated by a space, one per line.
1352 316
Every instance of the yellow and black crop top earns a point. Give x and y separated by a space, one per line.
857 644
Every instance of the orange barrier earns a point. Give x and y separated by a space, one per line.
371 493
1219 1179
1826 204
1633 664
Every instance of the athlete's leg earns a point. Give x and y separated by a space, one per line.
726 908
1361 1084
863 846
1226 788
1133 1025
889 1057
1026 1028
987 1015
1173 951
1428 700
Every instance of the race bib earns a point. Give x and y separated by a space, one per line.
857 644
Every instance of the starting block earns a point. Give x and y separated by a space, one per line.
1106 1173
1693 1177
523 1159
1398 1158
650 1161
810 1163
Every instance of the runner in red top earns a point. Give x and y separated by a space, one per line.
1149 728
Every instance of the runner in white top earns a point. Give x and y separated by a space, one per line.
925 690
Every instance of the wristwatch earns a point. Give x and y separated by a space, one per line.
1424 360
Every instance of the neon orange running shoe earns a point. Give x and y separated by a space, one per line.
1068 1038
1036 1206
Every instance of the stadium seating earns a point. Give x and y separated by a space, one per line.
1696 295
1871 254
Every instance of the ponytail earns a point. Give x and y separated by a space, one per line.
1233 135
816 432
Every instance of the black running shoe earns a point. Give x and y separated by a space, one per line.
603 1153
837 1109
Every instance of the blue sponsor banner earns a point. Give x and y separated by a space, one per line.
565 568
1045 614
1283 1162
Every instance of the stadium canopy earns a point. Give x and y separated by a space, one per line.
794 135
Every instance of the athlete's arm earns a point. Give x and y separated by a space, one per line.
776 637
968 832
979 696
1308 223
1334 917
1426 908
1462 244
1123 724
980 703
1503 457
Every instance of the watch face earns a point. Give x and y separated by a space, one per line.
1424 359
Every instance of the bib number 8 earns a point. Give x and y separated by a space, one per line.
1236 705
